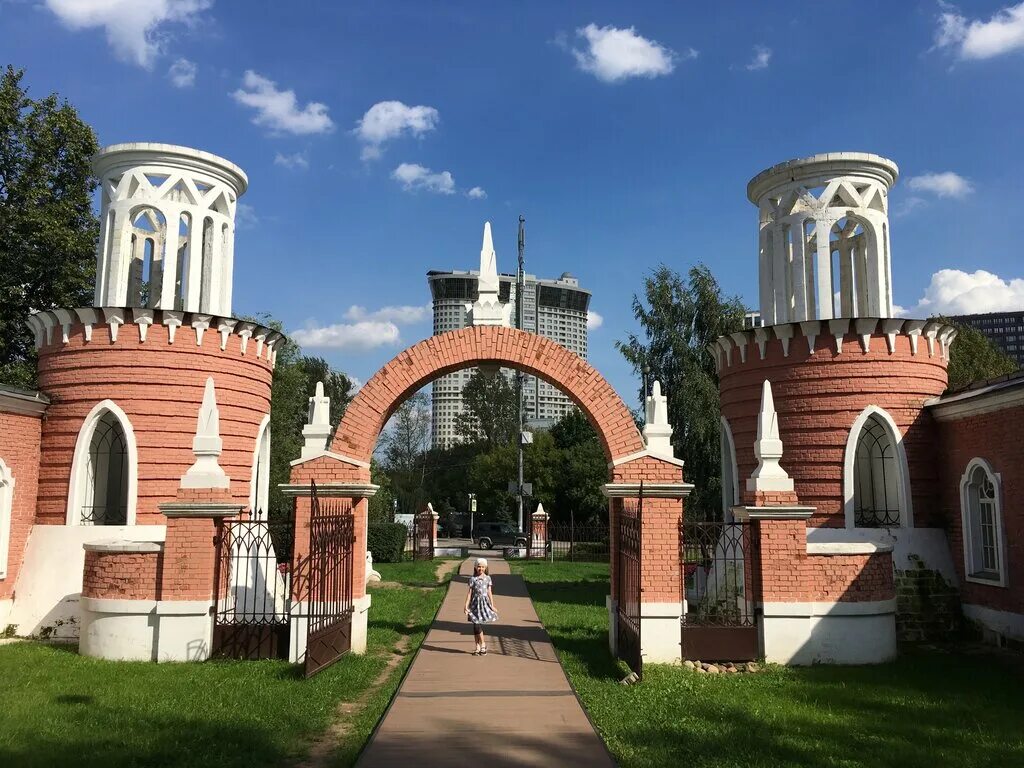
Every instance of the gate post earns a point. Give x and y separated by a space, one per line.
537 546
335 476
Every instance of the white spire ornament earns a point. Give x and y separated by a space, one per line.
207 446
488 309
769 476
317 430
657 431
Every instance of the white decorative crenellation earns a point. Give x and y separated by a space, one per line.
167 228
59 324
827 337
824 231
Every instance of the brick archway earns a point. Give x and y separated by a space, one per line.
421 363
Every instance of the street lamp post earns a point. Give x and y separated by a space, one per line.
472 509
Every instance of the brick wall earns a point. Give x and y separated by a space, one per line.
122 575
818 398
189 560
160 387
19 449
997 437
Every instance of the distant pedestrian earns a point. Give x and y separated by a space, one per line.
480 604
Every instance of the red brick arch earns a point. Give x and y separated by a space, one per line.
421 363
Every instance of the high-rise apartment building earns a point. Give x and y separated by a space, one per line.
1004 329
555 308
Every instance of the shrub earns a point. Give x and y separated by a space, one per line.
386 541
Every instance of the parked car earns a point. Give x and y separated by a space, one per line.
488 535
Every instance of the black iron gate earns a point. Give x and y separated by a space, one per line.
721 584
252 585
537 539
423 537
331 560
627 575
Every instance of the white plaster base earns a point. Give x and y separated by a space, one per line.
300 628
660 633
185 630
50 581
1000 623
929 545
829 633
613 624
6 606
119 630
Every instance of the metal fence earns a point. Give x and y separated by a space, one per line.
579 543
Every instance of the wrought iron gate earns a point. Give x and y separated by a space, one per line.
721 583
331 560
423 537
537 540
252 585
627 575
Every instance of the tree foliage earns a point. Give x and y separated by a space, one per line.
679 320
490 409
403 446
583 469
974 357
47 227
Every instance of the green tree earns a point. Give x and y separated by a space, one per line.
403 446
490 409
381 505
973 357
583 470
679 320
47 227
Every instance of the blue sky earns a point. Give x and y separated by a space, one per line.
378 137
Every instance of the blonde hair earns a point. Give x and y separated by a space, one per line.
482 561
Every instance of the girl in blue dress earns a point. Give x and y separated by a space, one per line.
480 604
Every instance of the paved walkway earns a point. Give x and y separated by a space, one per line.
512 707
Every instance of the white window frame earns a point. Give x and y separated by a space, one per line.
6 509
80 462
850 460
1000 542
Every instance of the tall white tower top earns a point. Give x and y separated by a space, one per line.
824 237
167 228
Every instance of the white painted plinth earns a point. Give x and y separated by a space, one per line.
6 606
300 627
118 630
829 633
660 638
1004 624
185 630
360 620
613 624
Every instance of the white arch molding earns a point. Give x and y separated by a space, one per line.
1000 543
259 478
6 508
850 457
728 456
80 462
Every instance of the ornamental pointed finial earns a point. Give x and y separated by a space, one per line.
657 431
768 475
206 472
317 430
488 264
488 309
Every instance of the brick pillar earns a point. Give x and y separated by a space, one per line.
539 532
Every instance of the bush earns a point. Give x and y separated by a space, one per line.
386 541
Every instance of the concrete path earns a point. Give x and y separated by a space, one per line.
512 707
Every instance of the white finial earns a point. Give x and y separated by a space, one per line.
207 446
488 309
657 431
318 427
769 475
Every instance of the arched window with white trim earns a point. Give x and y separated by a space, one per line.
103 474
981 510
876 478
730 473
259 485
6 505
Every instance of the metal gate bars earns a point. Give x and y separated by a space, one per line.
252 582
423 536
721 583
331 542
629 555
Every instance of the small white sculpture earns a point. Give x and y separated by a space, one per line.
317 430
657 431
371 575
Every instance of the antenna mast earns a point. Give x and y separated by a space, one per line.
520 290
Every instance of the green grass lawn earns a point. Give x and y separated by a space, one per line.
928 709
59 708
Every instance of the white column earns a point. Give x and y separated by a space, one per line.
876 274
107 231
846 258
214 268
765 276
195 261
780 256
823 229
228 259
172 217
799 266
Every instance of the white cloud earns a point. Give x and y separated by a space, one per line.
954 292
182 73
945 184
975 39
298 160
762 57
414 177
402 315
594 320
613 54
387 120
134 28
476 193
360 336
246 217
279 110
